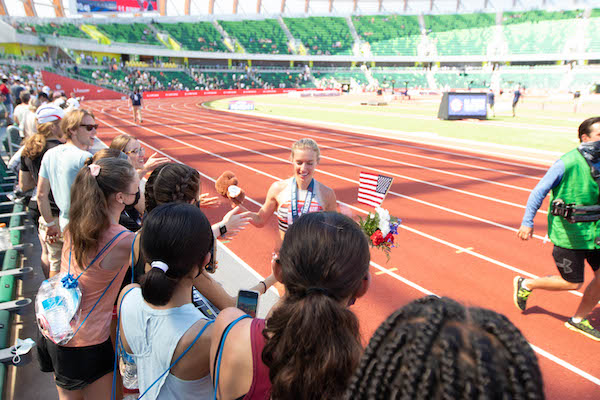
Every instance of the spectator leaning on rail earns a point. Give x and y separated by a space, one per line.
59 167
574 179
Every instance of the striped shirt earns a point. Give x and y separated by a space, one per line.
284 199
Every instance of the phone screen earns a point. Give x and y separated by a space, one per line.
248 302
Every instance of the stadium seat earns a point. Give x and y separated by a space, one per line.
129 33
322 35
199 36
263 36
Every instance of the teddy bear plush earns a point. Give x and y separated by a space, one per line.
227 187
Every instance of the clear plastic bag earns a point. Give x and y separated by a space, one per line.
58 309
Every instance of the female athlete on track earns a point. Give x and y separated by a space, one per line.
297 195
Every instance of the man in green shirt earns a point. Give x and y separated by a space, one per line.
574 179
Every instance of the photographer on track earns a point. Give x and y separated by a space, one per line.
574 179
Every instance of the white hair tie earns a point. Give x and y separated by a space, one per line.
160 265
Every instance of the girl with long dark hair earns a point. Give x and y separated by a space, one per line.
309 344
158 320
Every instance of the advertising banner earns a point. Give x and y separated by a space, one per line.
78 88
115 6
223 92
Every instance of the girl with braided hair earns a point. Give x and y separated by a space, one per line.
309 345
435 348
181 183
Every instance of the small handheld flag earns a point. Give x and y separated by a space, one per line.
373 188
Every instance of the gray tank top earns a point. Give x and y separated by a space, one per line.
152 336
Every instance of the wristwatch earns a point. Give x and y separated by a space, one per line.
222 229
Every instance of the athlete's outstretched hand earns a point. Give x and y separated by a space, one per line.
525 232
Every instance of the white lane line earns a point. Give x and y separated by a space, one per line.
362 130
220 131
362 154
302 132
441 241
426 203
417 287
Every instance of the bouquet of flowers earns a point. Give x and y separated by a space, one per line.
381 229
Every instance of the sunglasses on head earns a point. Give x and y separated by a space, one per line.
90 127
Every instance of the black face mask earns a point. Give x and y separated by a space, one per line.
137 198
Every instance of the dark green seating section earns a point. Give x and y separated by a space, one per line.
171 78
263 36
531 79
415 79
66 29
584 80
591 35
289 80
129 33
342 76
534 32
461 34
455 80
226 80
389 34
322 35
198 36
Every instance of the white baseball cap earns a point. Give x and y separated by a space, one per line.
73 103
49 113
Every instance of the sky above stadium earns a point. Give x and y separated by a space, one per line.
45 9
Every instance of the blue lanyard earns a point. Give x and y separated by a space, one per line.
307 200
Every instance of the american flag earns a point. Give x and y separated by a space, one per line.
373 188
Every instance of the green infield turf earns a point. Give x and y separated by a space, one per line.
541 123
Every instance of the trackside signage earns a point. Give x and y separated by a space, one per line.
187 93
78 88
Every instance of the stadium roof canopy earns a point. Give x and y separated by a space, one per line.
68 8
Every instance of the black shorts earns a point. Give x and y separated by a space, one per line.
75 367
570 263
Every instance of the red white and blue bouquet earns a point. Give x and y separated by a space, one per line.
381 228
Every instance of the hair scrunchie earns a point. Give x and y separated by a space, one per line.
94 169
160 265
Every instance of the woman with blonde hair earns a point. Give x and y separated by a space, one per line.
300 194
48 135
135 151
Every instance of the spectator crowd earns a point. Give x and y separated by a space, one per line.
130 233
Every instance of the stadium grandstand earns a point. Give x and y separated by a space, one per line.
422 44
393 51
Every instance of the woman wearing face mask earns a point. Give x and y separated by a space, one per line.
299 194
158 320
131 217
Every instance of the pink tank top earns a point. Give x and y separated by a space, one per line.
96 328
261 384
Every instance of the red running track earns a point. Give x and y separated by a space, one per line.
460 212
